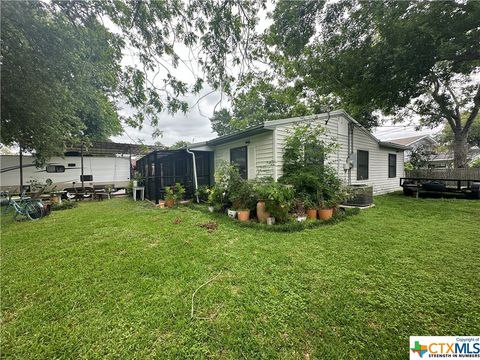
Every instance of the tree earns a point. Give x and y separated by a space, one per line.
54 91
446 137
420 157
259 100
64 99
180 144
404 59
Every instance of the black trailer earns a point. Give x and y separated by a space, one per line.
469 187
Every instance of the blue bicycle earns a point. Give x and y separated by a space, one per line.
31 209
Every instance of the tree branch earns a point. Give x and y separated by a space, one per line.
473 113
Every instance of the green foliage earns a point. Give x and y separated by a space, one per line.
242 195
446 137
403 58
181 144
175 192
63 70
278 199
420 157
475 163
64 205
203 193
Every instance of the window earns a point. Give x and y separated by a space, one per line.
392 165
238 157
362 165
55 168
71 165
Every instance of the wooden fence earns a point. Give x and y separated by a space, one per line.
440 174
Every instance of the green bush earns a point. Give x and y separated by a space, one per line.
278 199
64 205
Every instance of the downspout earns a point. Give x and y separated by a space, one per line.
195 180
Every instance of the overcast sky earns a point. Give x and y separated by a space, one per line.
195 125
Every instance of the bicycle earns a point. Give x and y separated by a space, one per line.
32 209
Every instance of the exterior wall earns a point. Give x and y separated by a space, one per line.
265 154
259 154
377 164
337 130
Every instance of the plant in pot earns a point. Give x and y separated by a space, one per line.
325 211
299 208
278 201
173 194
242 199
311 208
137 179
261 190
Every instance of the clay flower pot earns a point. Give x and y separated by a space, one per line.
311 214
325 214
243 215
169 203
262 213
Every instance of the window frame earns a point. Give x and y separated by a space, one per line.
245 176
57 169
367 166
390 166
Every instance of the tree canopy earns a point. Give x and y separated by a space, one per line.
403 59
64 74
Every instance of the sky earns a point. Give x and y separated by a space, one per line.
194 126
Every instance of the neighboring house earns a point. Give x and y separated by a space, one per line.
445 160
414 142
258 152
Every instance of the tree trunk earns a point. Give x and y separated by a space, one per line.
460 150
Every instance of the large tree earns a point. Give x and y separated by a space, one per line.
405 59
64 62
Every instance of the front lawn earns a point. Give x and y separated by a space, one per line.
115 279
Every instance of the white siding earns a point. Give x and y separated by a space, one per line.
259 154
337 130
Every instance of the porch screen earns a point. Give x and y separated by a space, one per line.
238 157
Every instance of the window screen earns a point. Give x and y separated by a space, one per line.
238 157
362 165
392 165
55 168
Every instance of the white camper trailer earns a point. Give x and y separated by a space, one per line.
65 172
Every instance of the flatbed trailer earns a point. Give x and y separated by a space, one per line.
469 187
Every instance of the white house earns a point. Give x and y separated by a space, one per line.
258 151
415 142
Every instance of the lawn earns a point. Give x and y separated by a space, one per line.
114 279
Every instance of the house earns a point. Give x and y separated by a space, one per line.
258 152
415 142
444 160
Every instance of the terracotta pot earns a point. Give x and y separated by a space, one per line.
262 213
325 214
169 203
311 214
243 215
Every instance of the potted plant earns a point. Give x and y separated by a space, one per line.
261 192
169 196
311 208
278 201
325 211
299 208
173 194
136 179
242 199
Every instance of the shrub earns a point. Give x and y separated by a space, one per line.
64 205
278 199
203 193
175 192
242 196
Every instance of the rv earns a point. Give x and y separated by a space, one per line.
65 173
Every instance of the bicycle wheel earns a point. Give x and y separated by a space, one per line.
33 211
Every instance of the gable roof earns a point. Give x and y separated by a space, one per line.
407 141
272 124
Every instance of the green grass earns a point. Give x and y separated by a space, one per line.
114 279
